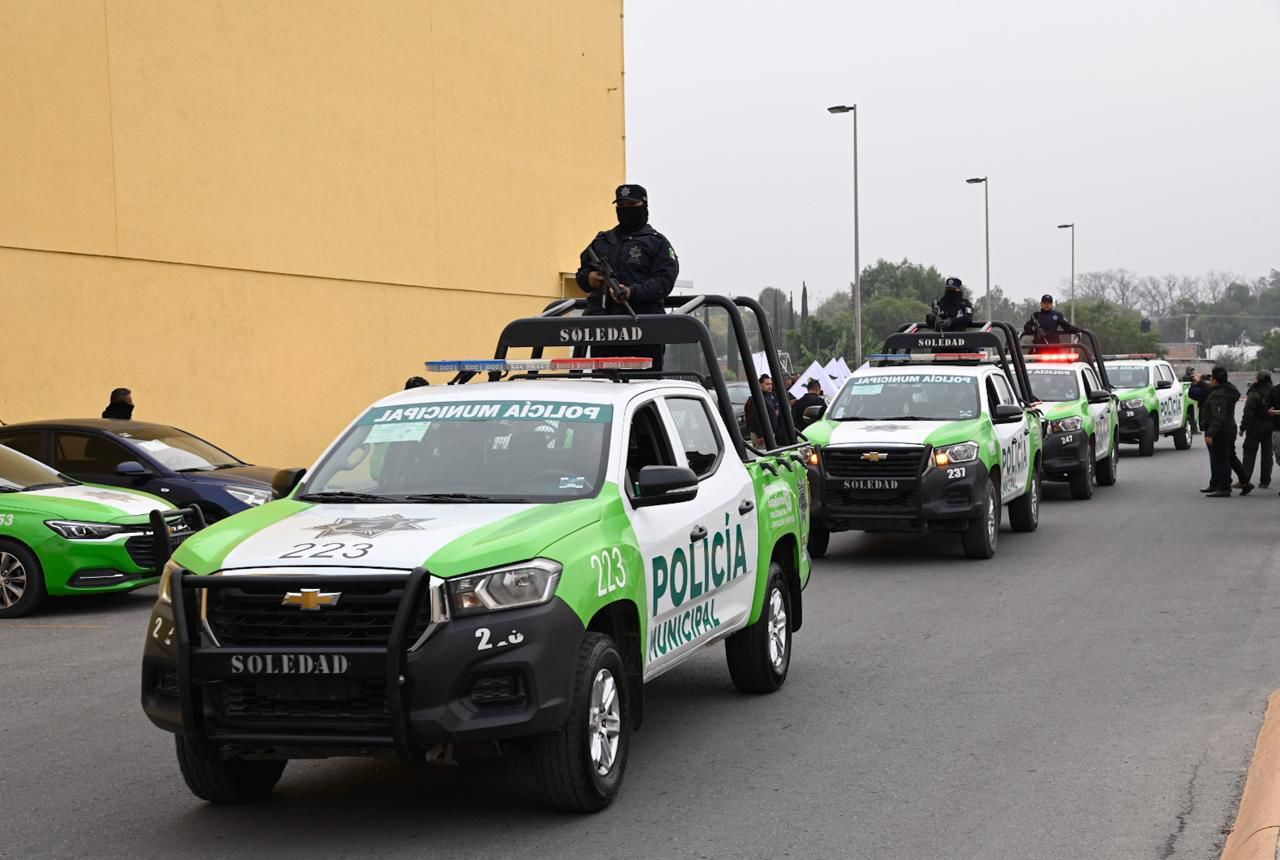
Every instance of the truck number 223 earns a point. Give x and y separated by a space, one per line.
611 573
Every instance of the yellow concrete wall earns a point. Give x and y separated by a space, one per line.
261 215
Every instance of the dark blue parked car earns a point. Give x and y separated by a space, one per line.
154 458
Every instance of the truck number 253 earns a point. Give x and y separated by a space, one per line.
611 573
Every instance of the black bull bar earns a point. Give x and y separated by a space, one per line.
198 664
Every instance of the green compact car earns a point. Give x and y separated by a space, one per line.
1081 430
61 537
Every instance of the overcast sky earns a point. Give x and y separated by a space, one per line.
1154 125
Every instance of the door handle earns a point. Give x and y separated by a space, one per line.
698 533
746 506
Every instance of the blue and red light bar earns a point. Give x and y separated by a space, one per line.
518 365
928 357
1125 355
1054 356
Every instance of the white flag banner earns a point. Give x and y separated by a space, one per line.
837 370
761 362
845 368
815 371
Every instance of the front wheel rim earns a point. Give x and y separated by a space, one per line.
777 631
604 723
991 520
13 580
1035 498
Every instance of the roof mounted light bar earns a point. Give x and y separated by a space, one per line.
928 357
1071 356
519 365
1123 355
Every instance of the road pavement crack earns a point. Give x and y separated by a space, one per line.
1188 807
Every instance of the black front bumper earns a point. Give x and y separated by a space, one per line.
480 678
1131 422
940 499
1065 454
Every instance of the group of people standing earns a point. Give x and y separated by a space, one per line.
1216 398
774 406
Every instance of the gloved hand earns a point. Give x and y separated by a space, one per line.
931 320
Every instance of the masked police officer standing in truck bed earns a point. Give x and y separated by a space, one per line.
643 262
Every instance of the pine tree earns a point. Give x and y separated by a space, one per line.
804 305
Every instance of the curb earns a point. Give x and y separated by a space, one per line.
1256 830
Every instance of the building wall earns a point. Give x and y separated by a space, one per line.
262 215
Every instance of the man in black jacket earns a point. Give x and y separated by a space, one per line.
1256 427
812 397
643 262
1047 322
1220 435
954 311
774 417
120 406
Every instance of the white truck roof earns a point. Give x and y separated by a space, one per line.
584 390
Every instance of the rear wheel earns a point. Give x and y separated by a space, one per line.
21 581
1082 481
1024 511
819 537
1108 465
979 539
227 780
579 768
1182 436
760 655
1147 439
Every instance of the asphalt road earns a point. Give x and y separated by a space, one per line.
1093 692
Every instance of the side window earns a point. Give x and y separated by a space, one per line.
1090 381
1166 373
24 443
1004 392
993 399
76 453
696 434
647 443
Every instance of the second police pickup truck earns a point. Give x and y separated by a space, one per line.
934 434
1153 401
504 562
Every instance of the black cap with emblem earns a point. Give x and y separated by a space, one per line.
954 284
628 193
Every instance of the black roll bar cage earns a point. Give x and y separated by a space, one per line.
1091 353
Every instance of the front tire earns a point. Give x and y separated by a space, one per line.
1082 480
980 538
760 655
1182 436
819 538
579 768
1024 511
22 588
1147 439
1108 467
227 780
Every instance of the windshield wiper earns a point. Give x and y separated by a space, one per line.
11 489
345 496
448 497
47 485
196 469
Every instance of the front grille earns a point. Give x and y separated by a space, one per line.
904 500
898 463
142 547
363 615
243 702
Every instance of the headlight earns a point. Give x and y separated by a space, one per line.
1066 425
1132 403
171 568
961 453
251 496
75 530
526 584
813 459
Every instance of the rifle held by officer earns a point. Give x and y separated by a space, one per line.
612 289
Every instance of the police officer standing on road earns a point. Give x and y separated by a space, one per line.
1047 322
1220 436
1256 427
643 262
953 311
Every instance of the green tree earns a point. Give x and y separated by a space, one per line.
905 280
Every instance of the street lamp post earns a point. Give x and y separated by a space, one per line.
1072 227
986 220
857 263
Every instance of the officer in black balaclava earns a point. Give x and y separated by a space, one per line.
643 262
121 405
954 311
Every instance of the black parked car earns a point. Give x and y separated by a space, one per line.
155 458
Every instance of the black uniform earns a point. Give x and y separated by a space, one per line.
955 312
1256 426
798 408
1046 325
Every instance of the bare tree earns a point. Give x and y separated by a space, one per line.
1215 284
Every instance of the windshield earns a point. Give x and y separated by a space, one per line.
19 472
916 396
1054 384
177 450
739 392
470 451
1129 376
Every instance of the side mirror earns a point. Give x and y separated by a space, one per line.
283 482
131 469
813 413
1006 414
1099 395
1164 383
664 485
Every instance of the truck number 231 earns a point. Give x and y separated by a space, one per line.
611 573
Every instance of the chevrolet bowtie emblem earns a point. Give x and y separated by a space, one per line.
875 456
310 599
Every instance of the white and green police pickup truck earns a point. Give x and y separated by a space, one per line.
507 561
919 439
1080 426
1153 402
